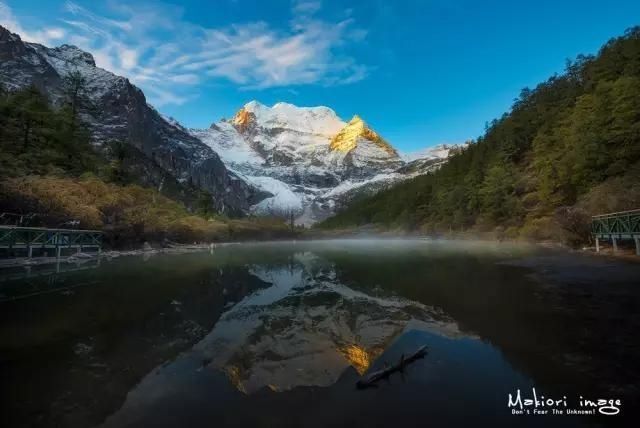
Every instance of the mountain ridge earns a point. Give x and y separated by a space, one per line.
125 115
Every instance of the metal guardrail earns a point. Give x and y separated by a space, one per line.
29 238
615 226
624 224
618 213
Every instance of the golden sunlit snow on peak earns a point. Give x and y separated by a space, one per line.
347 139
243 119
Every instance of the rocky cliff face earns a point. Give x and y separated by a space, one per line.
309 159
124 114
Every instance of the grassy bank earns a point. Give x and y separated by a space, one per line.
129 214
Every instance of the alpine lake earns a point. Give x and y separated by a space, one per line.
277 335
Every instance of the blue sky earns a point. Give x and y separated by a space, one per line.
419 72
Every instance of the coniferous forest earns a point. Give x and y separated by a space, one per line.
52 175
568 149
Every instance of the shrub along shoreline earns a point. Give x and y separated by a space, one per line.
129 215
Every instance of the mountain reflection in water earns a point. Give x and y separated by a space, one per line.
305 328
277 335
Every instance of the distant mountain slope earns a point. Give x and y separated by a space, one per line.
123 114
567 149
308 158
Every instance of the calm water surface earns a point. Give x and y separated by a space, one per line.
277 335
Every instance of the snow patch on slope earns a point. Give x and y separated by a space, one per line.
283 202
441 151
66 59
230 146
351 185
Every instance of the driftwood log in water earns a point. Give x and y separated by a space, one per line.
371 379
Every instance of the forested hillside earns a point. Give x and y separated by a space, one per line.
567 149
53 175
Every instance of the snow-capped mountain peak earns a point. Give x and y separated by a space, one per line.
310 120
308 158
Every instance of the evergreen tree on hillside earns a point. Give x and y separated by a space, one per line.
36 138
559 142
31 119
76 97
76 132
118 152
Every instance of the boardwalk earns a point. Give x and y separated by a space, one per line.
26 240
617 226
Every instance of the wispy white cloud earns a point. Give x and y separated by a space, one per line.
169 57
43 36
83 13
307 6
